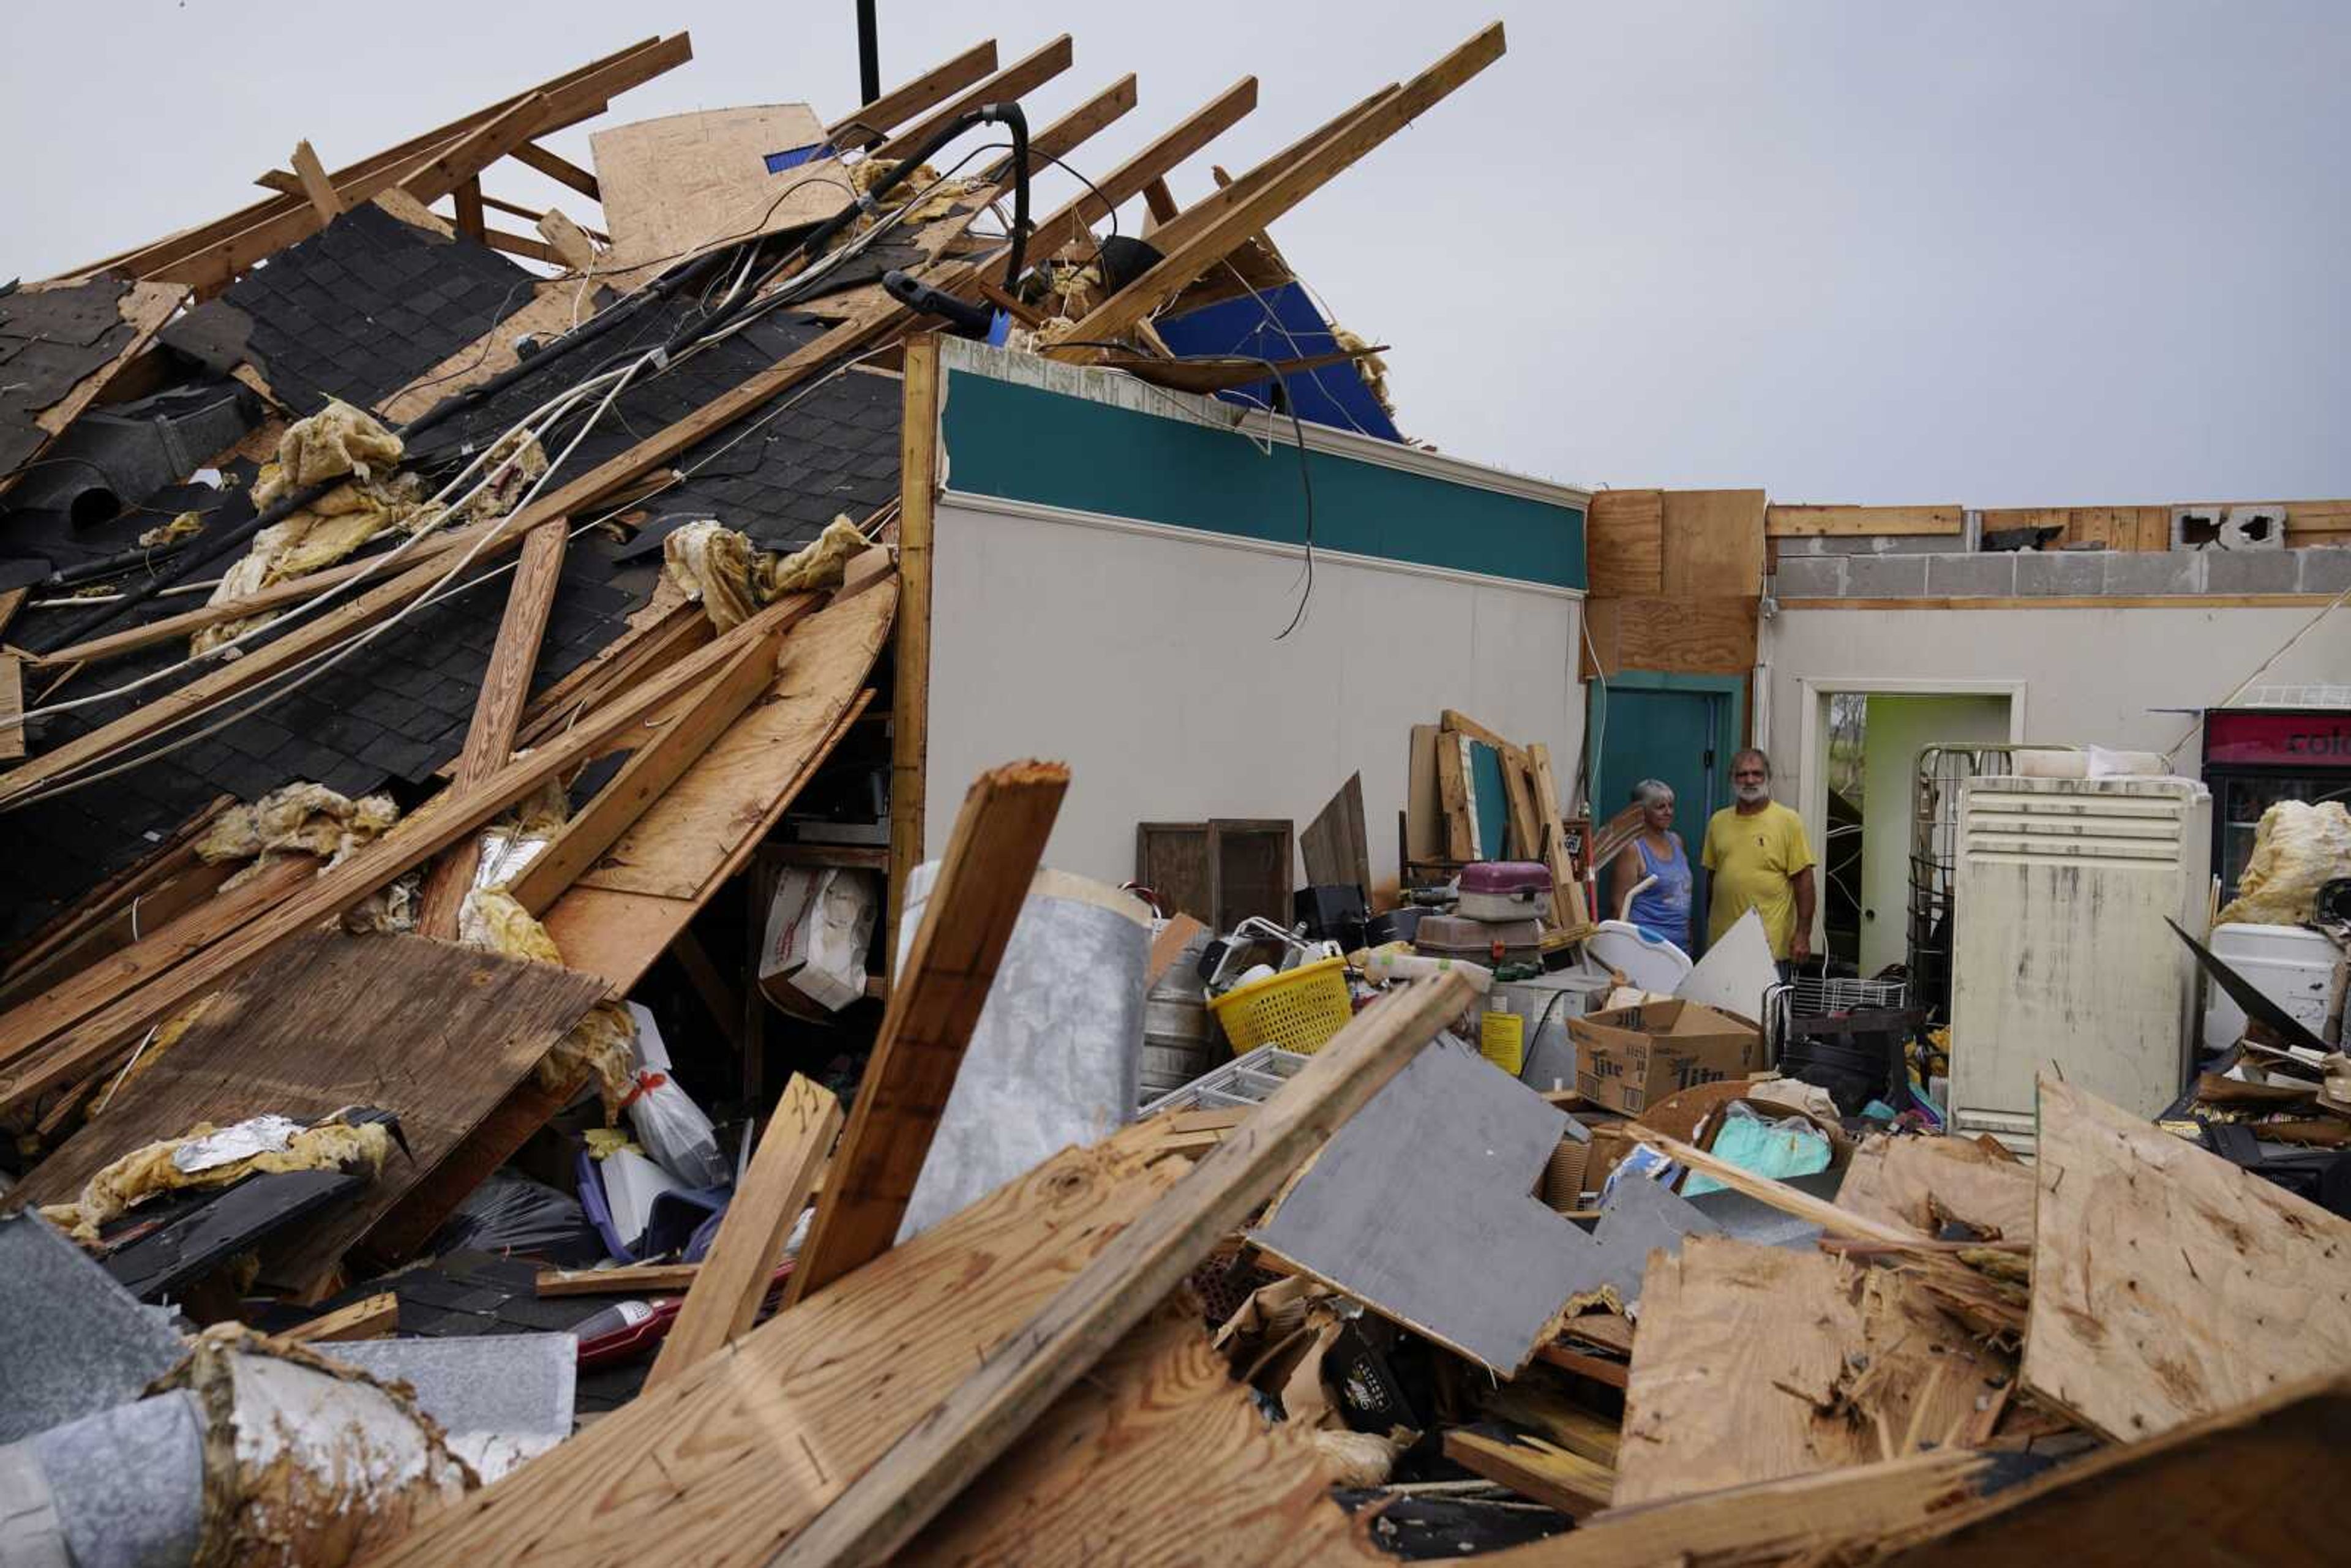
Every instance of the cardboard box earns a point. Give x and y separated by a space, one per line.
820 925
1629 1058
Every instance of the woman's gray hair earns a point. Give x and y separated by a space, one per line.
1651 791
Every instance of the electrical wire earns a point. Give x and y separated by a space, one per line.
553 411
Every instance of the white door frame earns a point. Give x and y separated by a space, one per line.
1813 781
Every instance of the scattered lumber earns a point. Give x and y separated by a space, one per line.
1754 1363
628 1279
943 1452
371 1318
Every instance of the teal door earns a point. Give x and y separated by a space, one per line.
1680 729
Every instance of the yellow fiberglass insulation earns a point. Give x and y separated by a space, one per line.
145 1172
306 816
1371 367
337 439
2297 848
732 579
603 1043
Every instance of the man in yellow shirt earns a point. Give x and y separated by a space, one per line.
1760 861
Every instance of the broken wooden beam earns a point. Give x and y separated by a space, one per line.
498 711
724 1300
924 1469
935 1004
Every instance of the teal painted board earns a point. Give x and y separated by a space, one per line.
1493 802
1026 444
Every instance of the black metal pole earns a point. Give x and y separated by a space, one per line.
869 54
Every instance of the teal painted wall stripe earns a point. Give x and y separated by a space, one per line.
1025 443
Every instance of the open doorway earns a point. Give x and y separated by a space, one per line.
1860 796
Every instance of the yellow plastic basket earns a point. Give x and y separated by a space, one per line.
1296 1011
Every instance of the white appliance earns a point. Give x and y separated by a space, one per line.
2290 965
2062 962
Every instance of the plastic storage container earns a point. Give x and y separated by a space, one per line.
1296 1011
2290 965
1454 936
1505 890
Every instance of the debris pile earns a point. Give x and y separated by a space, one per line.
427 857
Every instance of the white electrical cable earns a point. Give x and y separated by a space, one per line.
553 411
371 566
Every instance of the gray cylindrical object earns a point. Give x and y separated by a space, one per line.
1181 1038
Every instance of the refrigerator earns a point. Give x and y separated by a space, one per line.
2256 756
2062 962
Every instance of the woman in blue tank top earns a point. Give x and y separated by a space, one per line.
1662 910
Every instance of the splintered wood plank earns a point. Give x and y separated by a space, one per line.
498 711
724 1300
999 835
2167 1284
1754 1363
1625 543
910 653
1568 911
373 1318
1712 544
1533 1467
1160 1424
2233 1488
318 189
1915 1183
727 1464
432 1032
1804 1519
687 831
949 1448
629 1280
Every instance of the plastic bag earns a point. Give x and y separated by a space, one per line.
678 1136
513 1214
1789 1146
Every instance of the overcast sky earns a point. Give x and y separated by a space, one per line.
1993 254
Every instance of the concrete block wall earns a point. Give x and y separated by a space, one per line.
2052 574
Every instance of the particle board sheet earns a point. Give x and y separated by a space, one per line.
1754 1363
1625 544
728 1463
1920 1182
1713 544
1847 522
1422 1207
1674 636
2169 1284
431 1031
681 843
673 184
1159 1427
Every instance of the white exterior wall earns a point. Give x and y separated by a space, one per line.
1145 658
2089 675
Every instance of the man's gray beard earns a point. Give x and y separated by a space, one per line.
1751 793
